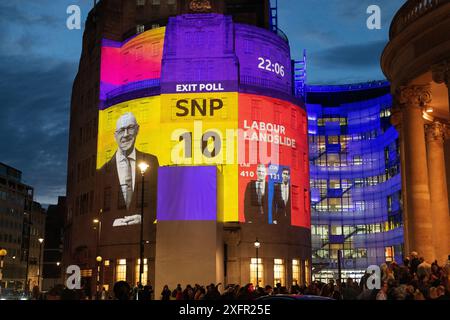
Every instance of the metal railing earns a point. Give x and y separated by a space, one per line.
411 11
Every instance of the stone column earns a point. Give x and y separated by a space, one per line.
441 74
412 99
438 190
396 121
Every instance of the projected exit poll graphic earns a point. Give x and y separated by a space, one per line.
210 106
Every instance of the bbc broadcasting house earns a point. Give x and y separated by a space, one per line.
166 82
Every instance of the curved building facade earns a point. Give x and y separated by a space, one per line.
206 102
355 179
416 61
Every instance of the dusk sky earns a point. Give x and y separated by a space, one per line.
39 59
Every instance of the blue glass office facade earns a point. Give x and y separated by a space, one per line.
355 179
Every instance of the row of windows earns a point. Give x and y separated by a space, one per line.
386 113
325 230
300 272
10 172
9 238
322 140
12 197
155 2
323 184
361 253
342 160
84 203
297 122
86 168
322 121
88 132
8 224
343 121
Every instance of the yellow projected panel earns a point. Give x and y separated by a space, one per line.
203 131
147 114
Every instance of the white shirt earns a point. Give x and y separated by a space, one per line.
121 162
285 192
261 185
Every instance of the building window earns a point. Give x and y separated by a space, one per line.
294 119
357 160
278 272
121 270
389 254
306 200
144 275
296 272
305 162
106 263
139 53
140 28
156 47
256 110
307 272
253 271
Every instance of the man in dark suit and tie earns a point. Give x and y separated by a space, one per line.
122 177
256 198
281 205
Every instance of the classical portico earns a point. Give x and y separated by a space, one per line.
417 63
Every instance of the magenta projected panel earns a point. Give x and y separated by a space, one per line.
132 65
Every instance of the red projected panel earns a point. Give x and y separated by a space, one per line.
273 170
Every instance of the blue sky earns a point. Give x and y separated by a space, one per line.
39 59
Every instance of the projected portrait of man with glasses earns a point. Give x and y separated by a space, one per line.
122 176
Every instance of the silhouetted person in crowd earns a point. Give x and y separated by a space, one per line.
349 292
122 290
147 292
268 290
166 293
414 262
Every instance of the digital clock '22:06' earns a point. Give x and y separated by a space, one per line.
268 65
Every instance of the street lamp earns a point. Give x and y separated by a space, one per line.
143 167
3 254
41 241
257 245
97 221
99 262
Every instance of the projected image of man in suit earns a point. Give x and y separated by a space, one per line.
281 205
123 175
256 198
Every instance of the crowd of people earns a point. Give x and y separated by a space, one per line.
414 279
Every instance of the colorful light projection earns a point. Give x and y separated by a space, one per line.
213 109
274 140
133 64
